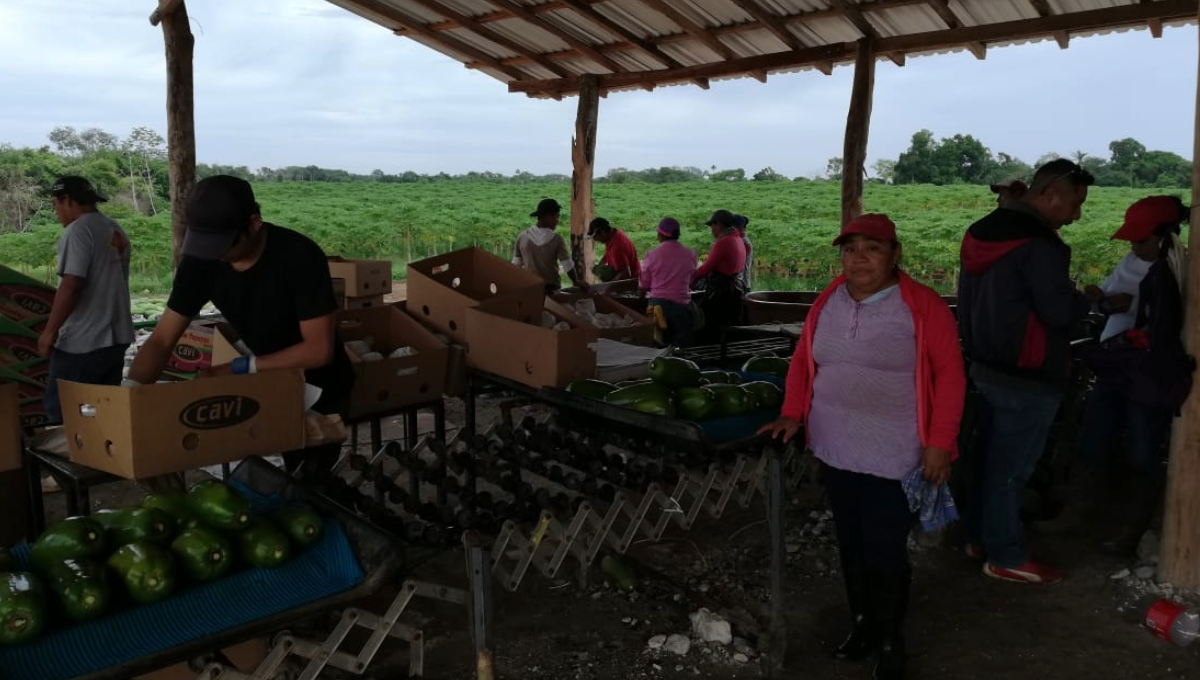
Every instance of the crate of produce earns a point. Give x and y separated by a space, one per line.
350 559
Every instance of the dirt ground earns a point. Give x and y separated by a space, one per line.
961 625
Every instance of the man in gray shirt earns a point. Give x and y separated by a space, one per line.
90 325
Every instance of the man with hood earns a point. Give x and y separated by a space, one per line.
1016 303
540 249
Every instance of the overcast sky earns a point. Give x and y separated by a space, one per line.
298 82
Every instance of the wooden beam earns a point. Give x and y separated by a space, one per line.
859 21
770 22
178 43
858 125
164 9
1042 7
583 160
1155 27
488 34
942 7
522 12
1112 17
1179 551
700 33
1063 39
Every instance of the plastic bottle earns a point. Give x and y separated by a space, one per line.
1172 621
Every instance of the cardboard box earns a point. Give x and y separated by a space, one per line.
139 432
363 278
517 347
383 387
246 657
363 302
18 344
203 345
29 380
455 383
24 300
640 333
441 289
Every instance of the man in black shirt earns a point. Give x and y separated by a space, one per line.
272 285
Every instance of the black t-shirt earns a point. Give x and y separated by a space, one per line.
265 304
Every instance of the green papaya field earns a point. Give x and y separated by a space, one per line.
791 223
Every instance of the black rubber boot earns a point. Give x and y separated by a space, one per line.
892 606
863 639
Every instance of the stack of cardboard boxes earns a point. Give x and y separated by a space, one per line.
361 283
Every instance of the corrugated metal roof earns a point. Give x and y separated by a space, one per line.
541 47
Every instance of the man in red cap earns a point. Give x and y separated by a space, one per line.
1009 191
1016 304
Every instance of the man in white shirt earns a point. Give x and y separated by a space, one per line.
541 250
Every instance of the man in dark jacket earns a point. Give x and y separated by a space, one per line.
1016 304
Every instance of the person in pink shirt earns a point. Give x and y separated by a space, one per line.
666 277
720 277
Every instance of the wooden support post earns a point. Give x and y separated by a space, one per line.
858 125
181 124
583 155
1179 558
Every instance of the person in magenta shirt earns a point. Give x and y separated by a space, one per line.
720 277
619 253
878 384
666 276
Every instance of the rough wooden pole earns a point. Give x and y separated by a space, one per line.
583 155
181 125
858 125
1179 557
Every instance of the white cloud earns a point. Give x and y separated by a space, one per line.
281 82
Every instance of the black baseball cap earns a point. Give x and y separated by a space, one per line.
218 209
77 189
722 217
546 206
598 224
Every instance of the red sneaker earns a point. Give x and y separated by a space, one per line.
1030 572
975 552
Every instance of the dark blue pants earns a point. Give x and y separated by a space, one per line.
1015 426
98 367
679 321
1109 411
872 519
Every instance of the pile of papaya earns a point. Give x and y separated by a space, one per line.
85 567
678 388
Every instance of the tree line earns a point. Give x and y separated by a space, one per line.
132 170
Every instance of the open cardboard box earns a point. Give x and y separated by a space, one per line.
441 289
503 340
640 333
455 383
385 386
362 278
363 302
148 430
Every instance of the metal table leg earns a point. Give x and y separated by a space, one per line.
480 604
376 435
37 508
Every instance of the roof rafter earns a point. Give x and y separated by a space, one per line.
856 17
942 7
1042 7
585 49
644 45
489 34
1110 17
691 28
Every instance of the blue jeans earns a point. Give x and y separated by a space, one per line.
679 321
1016 425
1109 409
99 367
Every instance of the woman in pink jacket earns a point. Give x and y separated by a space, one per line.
878 382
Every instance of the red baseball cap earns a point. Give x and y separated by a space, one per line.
872 225
1013 185
1146 215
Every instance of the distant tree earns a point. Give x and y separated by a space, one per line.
962 158
734 175
1009 167
917 164
834 168
885 170
768 174
1046 158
